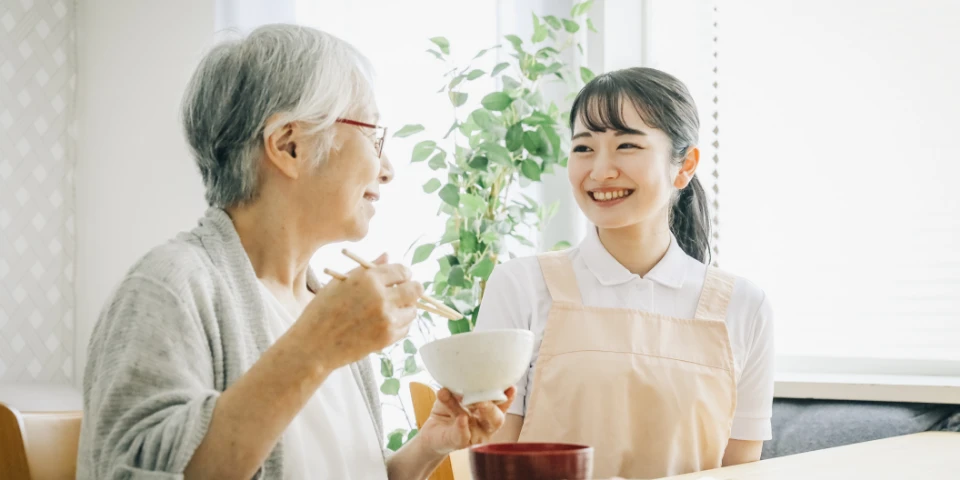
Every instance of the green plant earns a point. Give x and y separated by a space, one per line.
512 138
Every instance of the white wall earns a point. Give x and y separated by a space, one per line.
136 185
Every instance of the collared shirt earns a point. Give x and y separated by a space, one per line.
517 297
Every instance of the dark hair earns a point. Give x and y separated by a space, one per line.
663 102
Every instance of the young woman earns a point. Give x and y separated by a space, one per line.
663 364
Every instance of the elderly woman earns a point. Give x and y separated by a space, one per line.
219 355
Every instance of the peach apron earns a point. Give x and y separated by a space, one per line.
654 395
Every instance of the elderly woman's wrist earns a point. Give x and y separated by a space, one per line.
318 356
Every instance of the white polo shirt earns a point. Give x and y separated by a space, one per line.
516 296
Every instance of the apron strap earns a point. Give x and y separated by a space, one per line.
560 277
715 296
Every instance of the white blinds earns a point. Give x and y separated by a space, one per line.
840 192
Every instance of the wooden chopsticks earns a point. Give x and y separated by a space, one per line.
428 304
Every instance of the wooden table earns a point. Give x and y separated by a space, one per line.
923 456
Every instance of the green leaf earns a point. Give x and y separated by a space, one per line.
514 138
539 118
458 326
533 143
431 186
551 210
490 237
413 433
499 68
483 269
458 98
552 138
497 153
483 118
390 386
530 169
455 279
510 83
581 8
546 51
571 27
444 263
539 34
553 68
479 163
450 194
408 130
423 150
472 205
455 81
436 54
586 74
423 252
523 240
515 41
468 242
449 237
386 367
395 440
496 101
590 26
438 161
409 347
410 365
475 74
552 21
452 128
443 43
561 245
468 127
484 52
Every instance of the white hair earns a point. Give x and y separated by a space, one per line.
298 73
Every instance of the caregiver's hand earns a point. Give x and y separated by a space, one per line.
451 427
347 320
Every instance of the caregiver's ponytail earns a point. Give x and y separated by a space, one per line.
690 221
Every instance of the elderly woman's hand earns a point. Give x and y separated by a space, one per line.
453 427
347 320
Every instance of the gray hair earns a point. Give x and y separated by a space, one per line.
300 73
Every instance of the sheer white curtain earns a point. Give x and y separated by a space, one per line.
840 170
837 164
394 36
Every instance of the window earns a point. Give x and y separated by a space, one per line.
839 173
394 36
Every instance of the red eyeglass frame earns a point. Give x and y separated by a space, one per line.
381 132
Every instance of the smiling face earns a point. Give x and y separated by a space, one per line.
623 176
349 180
334 197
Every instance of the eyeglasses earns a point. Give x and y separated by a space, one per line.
380 135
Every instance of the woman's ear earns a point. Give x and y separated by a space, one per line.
689 167
281 148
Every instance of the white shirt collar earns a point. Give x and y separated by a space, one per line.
670 272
